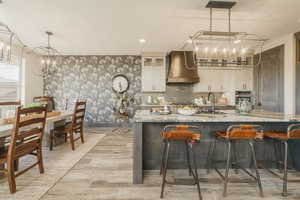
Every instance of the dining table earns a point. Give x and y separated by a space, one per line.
6 129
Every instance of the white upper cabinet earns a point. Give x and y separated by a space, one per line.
153 73
243 80
224 80
211 81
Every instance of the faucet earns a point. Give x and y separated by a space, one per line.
213 101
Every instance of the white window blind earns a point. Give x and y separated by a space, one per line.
10 82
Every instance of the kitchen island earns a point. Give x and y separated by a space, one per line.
148 128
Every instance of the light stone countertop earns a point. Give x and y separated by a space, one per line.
230 116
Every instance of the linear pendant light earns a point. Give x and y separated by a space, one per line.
224 48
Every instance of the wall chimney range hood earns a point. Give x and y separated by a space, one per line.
181 68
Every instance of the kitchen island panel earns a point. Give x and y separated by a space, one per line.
147 152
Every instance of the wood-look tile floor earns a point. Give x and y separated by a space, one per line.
102 170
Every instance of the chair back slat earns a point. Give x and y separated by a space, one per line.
29 133
30 122
244 131
46 99
78 116
28 130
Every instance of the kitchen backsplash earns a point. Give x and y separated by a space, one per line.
90 78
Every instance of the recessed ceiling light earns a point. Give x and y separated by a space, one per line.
142 40
236 41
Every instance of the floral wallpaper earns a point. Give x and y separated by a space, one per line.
90 78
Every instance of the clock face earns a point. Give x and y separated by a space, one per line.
120 83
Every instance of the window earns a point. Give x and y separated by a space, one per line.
10 82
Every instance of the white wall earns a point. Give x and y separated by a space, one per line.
289 69
32 81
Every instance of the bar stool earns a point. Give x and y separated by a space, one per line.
187 135
233 134
293 133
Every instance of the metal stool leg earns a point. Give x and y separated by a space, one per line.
196 177
276 154
188 157
210 155
165 168
234 164
255 167
284 193
227 167
163 154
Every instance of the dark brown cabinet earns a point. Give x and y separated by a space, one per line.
269 80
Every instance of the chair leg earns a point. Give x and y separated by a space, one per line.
72 140
210 155
66 137
227 167
40 159
165 170
51 139
255 167
81 135
234 163
163 154
188 157
11 177
285 180
196 177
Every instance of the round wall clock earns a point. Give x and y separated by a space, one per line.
120 83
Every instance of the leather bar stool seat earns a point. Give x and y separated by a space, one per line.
181 133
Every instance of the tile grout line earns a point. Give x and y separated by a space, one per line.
43 195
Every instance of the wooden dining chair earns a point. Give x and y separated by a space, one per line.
26 139
75 126
45 99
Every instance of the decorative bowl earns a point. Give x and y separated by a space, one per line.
189 111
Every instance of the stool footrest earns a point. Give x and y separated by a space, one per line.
182 181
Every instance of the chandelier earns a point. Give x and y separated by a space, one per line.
49 59
224 49
11 47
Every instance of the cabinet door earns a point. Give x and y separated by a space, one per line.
153 74
243 79
210 80
146 79
158 79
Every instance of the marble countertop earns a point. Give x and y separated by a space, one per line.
230 116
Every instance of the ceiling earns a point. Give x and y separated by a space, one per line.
102 27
